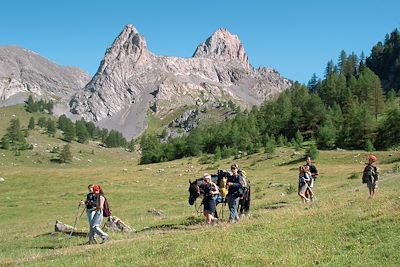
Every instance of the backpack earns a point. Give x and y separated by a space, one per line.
370 173
106 209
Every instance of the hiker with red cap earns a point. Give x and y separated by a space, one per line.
371 175
95 223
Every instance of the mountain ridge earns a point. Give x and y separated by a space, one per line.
24 72
132 81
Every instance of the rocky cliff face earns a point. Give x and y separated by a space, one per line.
23 72
131 81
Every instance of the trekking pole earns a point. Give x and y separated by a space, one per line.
313 197
76 219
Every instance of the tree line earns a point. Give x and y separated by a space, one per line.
41 105
79 131
347 108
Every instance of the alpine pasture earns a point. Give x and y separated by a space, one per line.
341 228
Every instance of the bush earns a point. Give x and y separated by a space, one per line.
290 189
369 146
312 151
396 168
354 176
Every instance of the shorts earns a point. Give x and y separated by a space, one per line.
302 188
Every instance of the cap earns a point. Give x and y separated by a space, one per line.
372 157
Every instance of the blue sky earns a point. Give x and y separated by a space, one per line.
295 37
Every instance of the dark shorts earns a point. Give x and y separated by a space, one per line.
209 205
371 184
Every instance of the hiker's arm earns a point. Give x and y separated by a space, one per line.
237 185
215 190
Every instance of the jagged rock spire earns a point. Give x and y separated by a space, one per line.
128 46
223 45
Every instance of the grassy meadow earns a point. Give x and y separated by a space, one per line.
342 228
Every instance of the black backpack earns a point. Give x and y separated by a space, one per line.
370 173
106 208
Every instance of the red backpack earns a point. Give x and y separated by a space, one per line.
106 208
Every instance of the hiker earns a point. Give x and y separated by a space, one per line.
309 180
314 174
371 175
304 177
90 203
98 217
235 191
210 190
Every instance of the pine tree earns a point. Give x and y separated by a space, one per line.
51 127
14 138
326 137
65 154
389 131
299 138
361 126
42 122
81 132
31 124
29 104
49 106
69 133
14 133
314 84
371 91
312 151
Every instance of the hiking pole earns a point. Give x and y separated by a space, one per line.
76 219
313 197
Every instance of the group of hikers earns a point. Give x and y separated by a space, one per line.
95 205
308 174
232 191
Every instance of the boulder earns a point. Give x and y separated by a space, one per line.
116 224
62 227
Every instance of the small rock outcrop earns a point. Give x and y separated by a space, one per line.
116 224
63 228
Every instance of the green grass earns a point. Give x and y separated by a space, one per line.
342 228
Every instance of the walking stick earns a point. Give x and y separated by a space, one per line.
76 219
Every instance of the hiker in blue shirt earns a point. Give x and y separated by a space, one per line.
235 191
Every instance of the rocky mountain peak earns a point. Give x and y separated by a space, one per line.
131 82
128 46
223 45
